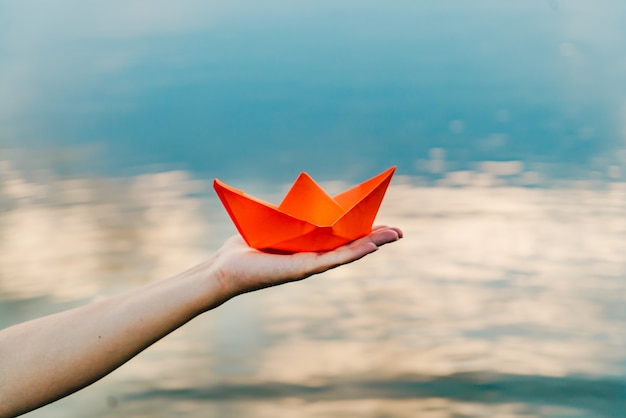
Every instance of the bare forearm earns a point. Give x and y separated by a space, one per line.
48 358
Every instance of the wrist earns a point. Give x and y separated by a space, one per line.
207 286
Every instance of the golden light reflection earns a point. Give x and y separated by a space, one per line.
504 281
76 238
366 408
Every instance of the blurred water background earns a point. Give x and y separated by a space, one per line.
507 121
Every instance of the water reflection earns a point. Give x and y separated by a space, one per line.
507 119
500 301
209 84
72 237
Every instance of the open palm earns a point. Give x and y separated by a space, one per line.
243 269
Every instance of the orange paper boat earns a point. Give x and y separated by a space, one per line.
308 219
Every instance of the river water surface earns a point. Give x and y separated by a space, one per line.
507 121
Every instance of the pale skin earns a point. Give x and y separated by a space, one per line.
51 357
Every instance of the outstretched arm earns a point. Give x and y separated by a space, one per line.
48 358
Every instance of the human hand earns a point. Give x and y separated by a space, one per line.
240 269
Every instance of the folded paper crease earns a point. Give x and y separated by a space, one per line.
307 219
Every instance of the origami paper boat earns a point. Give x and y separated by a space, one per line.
308 219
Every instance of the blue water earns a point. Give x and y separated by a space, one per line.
320 86
507 121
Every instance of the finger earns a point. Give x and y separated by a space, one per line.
384 236
344 255
379 227
357 249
